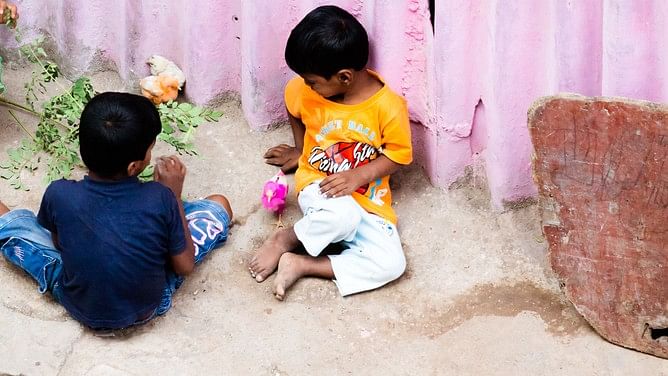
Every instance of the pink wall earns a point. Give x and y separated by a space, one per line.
469 84
203 37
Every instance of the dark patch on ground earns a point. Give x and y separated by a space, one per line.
560 316
240 220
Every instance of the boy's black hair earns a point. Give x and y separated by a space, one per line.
327 40
115 130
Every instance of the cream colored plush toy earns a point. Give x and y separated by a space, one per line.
165 81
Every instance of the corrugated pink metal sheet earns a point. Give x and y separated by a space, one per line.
469 84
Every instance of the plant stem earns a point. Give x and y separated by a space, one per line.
22 126
7 102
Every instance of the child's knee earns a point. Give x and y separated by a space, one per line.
223 201
397 268
345 211
352 217
393 268
337 213
346 220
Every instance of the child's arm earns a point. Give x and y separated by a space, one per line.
346 182
286 156
171 172
45 217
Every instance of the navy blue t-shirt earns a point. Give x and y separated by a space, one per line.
115 239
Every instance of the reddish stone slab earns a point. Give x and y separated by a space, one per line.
601 166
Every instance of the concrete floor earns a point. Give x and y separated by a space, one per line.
478 296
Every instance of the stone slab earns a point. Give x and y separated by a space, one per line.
601 166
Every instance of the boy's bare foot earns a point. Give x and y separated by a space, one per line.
290 269
266 259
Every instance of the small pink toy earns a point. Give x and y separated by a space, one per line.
274 195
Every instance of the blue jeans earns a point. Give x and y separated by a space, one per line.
29 246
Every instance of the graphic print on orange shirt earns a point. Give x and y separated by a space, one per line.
342 156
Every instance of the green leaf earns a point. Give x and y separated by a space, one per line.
213 116
195 111
14 154
147 174
185 107
167 128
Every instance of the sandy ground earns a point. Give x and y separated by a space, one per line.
477 298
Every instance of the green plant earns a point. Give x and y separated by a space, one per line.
56 136
55 141
179 121
46 71
7 18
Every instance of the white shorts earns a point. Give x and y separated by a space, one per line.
372 256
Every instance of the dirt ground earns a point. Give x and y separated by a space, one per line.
477 298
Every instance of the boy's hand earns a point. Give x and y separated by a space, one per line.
284 156
9 13
341 184
171 172
347 182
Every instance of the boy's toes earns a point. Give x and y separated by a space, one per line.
279 293
260 277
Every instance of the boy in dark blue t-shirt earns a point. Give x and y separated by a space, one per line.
110 249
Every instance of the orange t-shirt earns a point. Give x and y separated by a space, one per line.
339 137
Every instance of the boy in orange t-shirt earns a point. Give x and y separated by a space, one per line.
351 132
